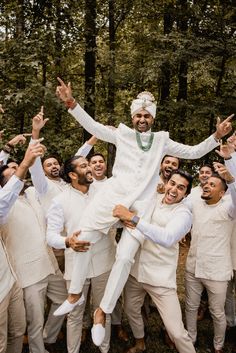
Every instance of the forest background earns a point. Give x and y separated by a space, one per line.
183 51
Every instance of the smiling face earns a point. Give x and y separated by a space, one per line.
51 168
142 121
168 164
175 189
213 190
82 173
204 173
98 166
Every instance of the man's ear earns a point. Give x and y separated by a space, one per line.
222 192
72 175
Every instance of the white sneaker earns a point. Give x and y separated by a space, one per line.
66 307
98 332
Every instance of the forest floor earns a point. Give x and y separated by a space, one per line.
154 337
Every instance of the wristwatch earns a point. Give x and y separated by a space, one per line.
135 219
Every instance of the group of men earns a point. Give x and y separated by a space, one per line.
72 212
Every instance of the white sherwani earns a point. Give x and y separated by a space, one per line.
135 172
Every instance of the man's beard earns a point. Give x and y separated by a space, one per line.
83 179
205 197
55 173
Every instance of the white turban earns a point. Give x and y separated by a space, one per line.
145 100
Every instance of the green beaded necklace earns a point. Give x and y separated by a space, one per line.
139 142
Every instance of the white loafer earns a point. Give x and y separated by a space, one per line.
66 307
97 332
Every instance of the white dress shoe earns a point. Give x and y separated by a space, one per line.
98 334
66 307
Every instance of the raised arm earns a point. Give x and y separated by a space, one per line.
102 132
11 190
226 172
86 148
226 151
37 173
9 146
194 152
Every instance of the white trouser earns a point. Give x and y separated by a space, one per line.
125 253
116 315
75 318
216 291
126 250
53 287
167 303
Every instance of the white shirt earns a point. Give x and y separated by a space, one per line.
209 254
64 218
3 157
8 195
156 264
177 227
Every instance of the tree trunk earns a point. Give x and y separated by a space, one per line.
182 25
90 60
111 85
20 81
58 58
165 68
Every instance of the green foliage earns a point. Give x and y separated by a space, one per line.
41 40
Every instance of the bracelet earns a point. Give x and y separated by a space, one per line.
226 159
216 139
70 103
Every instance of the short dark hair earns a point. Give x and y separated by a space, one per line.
50 156
168 155
216 175
208 166
68 167
2 177
96 154
185 175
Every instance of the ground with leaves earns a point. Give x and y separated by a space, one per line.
154 340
